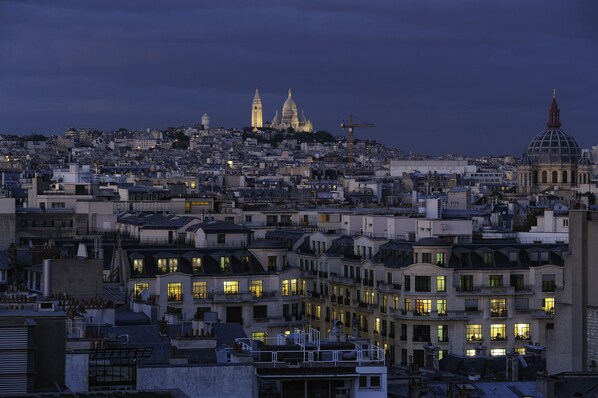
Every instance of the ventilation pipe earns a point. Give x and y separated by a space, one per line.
47 278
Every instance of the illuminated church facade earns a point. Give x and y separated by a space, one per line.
288 119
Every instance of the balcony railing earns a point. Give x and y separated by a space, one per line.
498 313
548 286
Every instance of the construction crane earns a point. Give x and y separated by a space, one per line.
350 126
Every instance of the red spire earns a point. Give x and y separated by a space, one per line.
553 114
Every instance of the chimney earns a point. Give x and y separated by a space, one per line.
47 278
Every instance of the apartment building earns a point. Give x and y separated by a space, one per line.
250 286
465 300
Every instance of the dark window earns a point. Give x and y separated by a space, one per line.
221 238
421 333
517 282
407 283
471 305
422 284
466 283
548 283
260 311
495 281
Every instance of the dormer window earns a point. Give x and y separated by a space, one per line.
439 258
138 265
225 263
196 264
173 264
246 263
488 258
162 264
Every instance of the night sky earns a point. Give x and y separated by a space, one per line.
468 77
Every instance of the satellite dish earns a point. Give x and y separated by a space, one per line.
145 294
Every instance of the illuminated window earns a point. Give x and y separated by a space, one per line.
196 264
290 287
522 331
175 291
173 264
474 333
231 287
548 305
256 288
423 307
498 332
138 265
395 303
200 290
162 264
383 303
138 288
520 350
442 333
377 326
441 283
407 304
441 307
470 353
498 308
440 258
497 352
318 312
261 336
225 263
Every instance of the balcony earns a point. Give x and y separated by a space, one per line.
269 295
315 296
343 280
548 286
388 287
362 305
175 298
432 315
498 313
545 313
474 338
468 289
523 337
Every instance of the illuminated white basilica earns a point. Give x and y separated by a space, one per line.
290 117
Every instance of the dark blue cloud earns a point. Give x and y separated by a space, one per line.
435 76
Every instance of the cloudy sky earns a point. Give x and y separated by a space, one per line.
470 77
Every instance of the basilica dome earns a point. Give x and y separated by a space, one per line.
553 145
289 106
